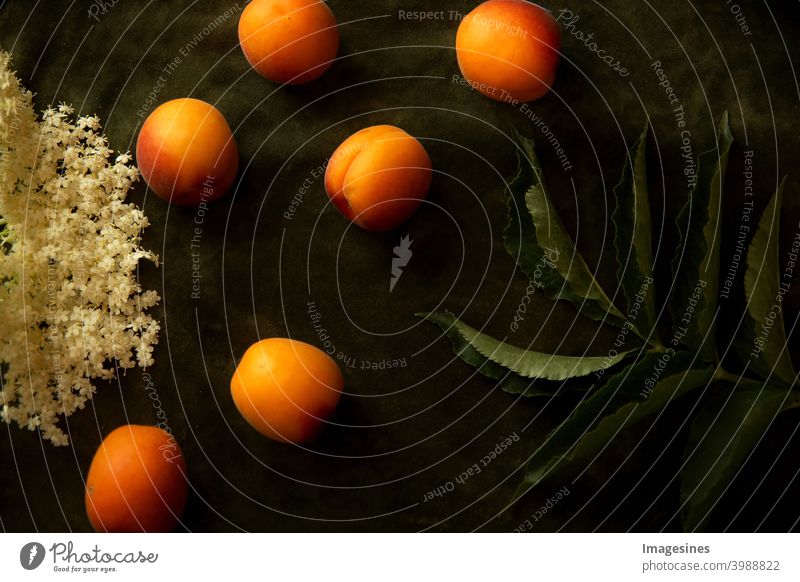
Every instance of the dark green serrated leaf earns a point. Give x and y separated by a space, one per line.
628 397
696 263
633 241
762 340
524 363
508 380
726 428
538 242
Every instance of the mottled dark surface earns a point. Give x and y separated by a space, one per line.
403 432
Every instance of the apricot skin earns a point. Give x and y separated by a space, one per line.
509 49
285 389
136 482
289 41
186 152
378 177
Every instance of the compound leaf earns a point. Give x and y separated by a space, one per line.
630 396
633 241
696 263
503 357
535 237
762 340
726 428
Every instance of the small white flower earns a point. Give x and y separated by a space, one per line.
79 244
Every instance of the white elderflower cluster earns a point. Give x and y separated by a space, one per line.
71 308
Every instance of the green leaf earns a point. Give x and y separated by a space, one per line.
696 263
633 241
724 431
635 393
538 242
523 363
762 340
508 380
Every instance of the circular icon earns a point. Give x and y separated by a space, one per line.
31 555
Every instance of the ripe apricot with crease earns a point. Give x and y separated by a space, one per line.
378 177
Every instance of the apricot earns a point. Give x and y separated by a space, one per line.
136 482
289 41
286 389
186 152
378 177
509 50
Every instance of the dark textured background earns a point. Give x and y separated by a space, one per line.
402 432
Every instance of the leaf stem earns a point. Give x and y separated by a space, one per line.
724 375
653 341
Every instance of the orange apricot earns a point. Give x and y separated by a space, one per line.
286 389
378 177
136 482
186 152
289 41
509 49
